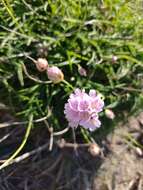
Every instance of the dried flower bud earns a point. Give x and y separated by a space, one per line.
55 74
114 58
94 149
41 64
139 151
109 113
82 71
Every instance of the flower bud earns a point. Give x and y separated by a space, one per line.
55 74
109 114
139 151
114 59
94 149
82 71
41 64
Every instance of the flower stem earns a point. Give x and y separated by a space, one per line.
7 162
85 136
68 84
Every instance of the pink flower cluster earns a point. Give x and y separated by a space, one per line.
82 109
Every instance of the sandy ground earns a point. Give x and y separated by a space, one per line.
119 166
122 169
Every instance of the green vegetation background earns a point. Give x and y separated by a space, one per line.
69 34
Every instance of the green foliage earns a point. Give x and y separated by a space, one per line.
68 34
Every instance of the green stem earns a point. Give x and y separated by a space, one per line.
130 138
85 135
130 59
68 84
7 162
10 12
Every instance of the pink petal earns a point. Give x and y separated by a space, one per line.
73 103
83 105
97 104
71 114
92 93
91 124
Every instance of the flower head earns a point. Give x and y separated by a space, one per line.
41 64
55 74
82 109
